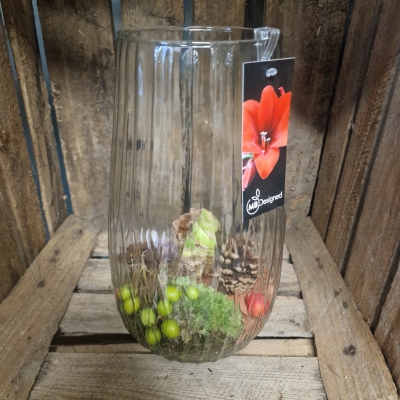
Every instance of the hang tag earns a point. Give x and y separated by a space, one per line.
267 94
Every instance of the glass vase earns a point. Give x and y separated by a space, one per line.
192 281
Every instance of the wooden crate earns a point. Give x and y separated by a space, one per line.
333 336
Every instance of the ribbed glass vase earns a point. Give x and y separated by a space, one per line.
192 281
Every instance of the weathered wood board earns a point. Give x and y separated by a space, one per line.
20 25
350 359
30 314
312 32
369 126
387 332
89 313
219 13
258 347
375 240
145 376
96 277
151 13
22 233
100 249
353 69
80 55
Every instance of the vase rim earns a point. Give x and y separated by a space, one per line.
143 35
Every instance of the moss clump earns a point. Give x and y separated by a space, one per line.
210 312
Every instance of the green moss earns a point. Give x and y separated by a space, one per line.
210 312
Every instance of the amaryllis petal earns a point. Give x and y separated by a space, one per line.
251 140
279 139
248 174
266 161
266 110
281 105
252 107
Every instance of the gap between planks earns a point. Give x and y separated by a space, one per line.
258 347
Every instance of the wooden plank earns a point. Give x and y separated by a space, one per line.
145 376
220 13
375 241
29 316
368 130
311 31
100 248
89 313
20 25
80 55
151 13
387 332
22 231
259 347
289 285
96 277
357 52
351 362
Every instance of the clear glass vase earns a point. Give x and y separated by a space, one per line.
192 281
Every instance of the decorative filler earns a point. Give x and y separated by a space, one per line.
192 281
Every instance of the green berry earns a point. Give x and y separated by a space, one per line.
164 308
131 306
152 336
148 317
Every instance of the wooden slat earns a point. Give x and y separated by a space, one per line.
387 332
145 376
151 13
359 41
29 316
368 128
259 347
220 13
89 313
22 233
351 362
375 242
20 25
312 32
100 249
80 55
96 277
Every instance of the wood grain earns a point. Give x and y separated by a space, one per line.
29 316
145 376
96 277
151 13
373 259
20 25
311 31
353 69
22 232
259 347
80 55
387 332
97 314
351 362
368 128
220 13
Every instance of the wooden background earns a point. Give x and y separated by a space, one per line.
343 153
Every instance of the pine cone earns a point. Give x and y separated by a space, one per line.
239 266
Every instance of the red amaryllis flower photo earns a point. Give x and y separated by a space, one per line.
265 129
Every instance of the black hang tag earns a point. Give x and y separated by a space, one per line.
267 93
